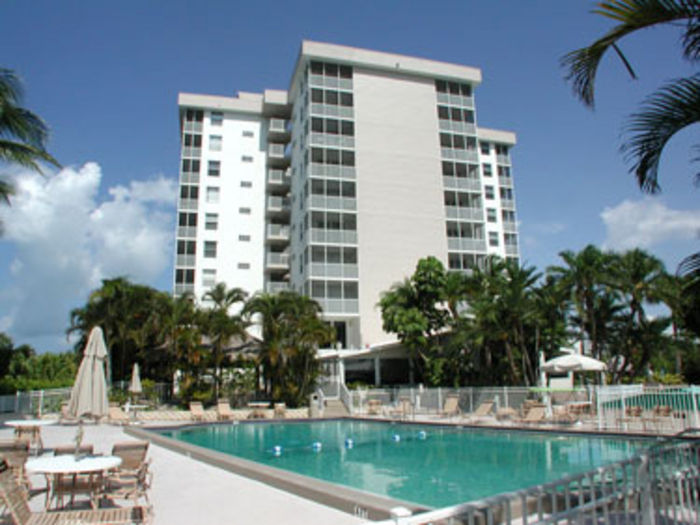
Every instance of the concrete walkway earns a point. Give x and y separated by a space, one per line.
185 491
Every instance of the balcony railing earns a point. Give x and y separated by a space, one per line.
455 100
503 159
278 125
511 249
276 287
505 181
275 176
460 154
333 236
278 204
465 244
467 214
334 82
327 139
181 289
276 150
333 203
468 128
327 170
331 270
330 110
187 231
510 227
278 231
189 178
277 259
507 203
462 183
184 260
339 306
192 126
190 152
188 204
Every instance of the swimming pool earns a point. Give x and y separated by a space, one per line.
428 465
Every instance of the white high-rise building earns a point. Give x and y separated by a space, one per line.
338 186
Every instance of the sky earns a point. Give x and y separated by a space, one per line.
105 78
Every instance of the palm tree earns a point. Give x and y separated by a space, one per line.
667 111
582 277
23 134
220 326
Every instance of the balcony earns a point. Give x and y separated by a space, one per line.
191 152
332 203
466 244
187 231
187 177
277 232
510 227
465 214
277 261
339 306
278 130
334 271
511 249
185 260
328 170
181 289
503 159
467 128
276 286
461 183
279 178
277 156
330 110
470 155
455 100
505 181
333 236
278 205
328 139
507 204
188 204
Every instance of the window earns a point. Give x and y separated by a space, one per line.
187 219
488 170
504 171
485 148
244 211
208 277
214 168
192 141
489 193
491 215
194 115
511 240
190 166
209 249
186 247
215 142
247 133
244 238
211 221
217 118
506 194
184 276
244 266
246 184
213 194
508 215
501 149
493 238
189 192
247 158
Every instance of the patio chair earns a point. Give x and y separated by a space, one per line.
196 411
132 479
374 407
15 453
403 408
451 406
15 499
64 450
117 416
280 410
66 418
223 411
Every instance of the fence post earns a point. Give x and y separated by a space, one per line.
696 420
505 397
17 402
40 406
647 500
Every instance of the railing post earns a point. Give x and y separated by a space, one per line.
696 419
647 499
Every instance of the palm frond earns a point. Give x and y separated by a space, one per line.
582 65
24 154
673 107
6 190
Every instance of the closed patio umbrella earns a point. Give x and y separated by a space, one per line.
89 394
135 384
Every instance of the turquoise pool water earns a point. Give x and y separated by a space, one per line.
428 465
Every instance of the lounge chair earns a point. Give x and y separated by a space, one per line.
196 411
536 414
117 416
223 411
451 406
15 499
482 411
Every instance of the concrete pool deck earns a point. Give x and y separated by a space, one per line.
186 491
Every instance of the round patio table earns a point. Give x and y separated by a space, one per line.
63 471
30 429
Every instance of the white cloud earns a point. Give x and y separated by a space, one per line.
646 223
66 240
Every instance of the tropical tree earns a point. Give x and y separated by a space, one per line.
582 278
292 330
221 326
670 109
23 134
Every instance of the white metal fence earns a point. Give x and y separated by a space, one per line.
659 486
35 402
625 408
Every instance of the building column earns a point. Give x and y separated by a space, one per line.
341 370
377 371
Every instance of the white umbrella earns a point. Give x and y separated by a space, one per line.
573 363
135 384
89 394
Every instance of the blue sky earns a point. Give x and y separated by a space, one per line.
105 77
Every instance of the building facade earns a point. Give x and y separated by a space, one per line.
336 187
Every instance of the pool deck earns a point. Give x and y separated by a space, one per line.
186 491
